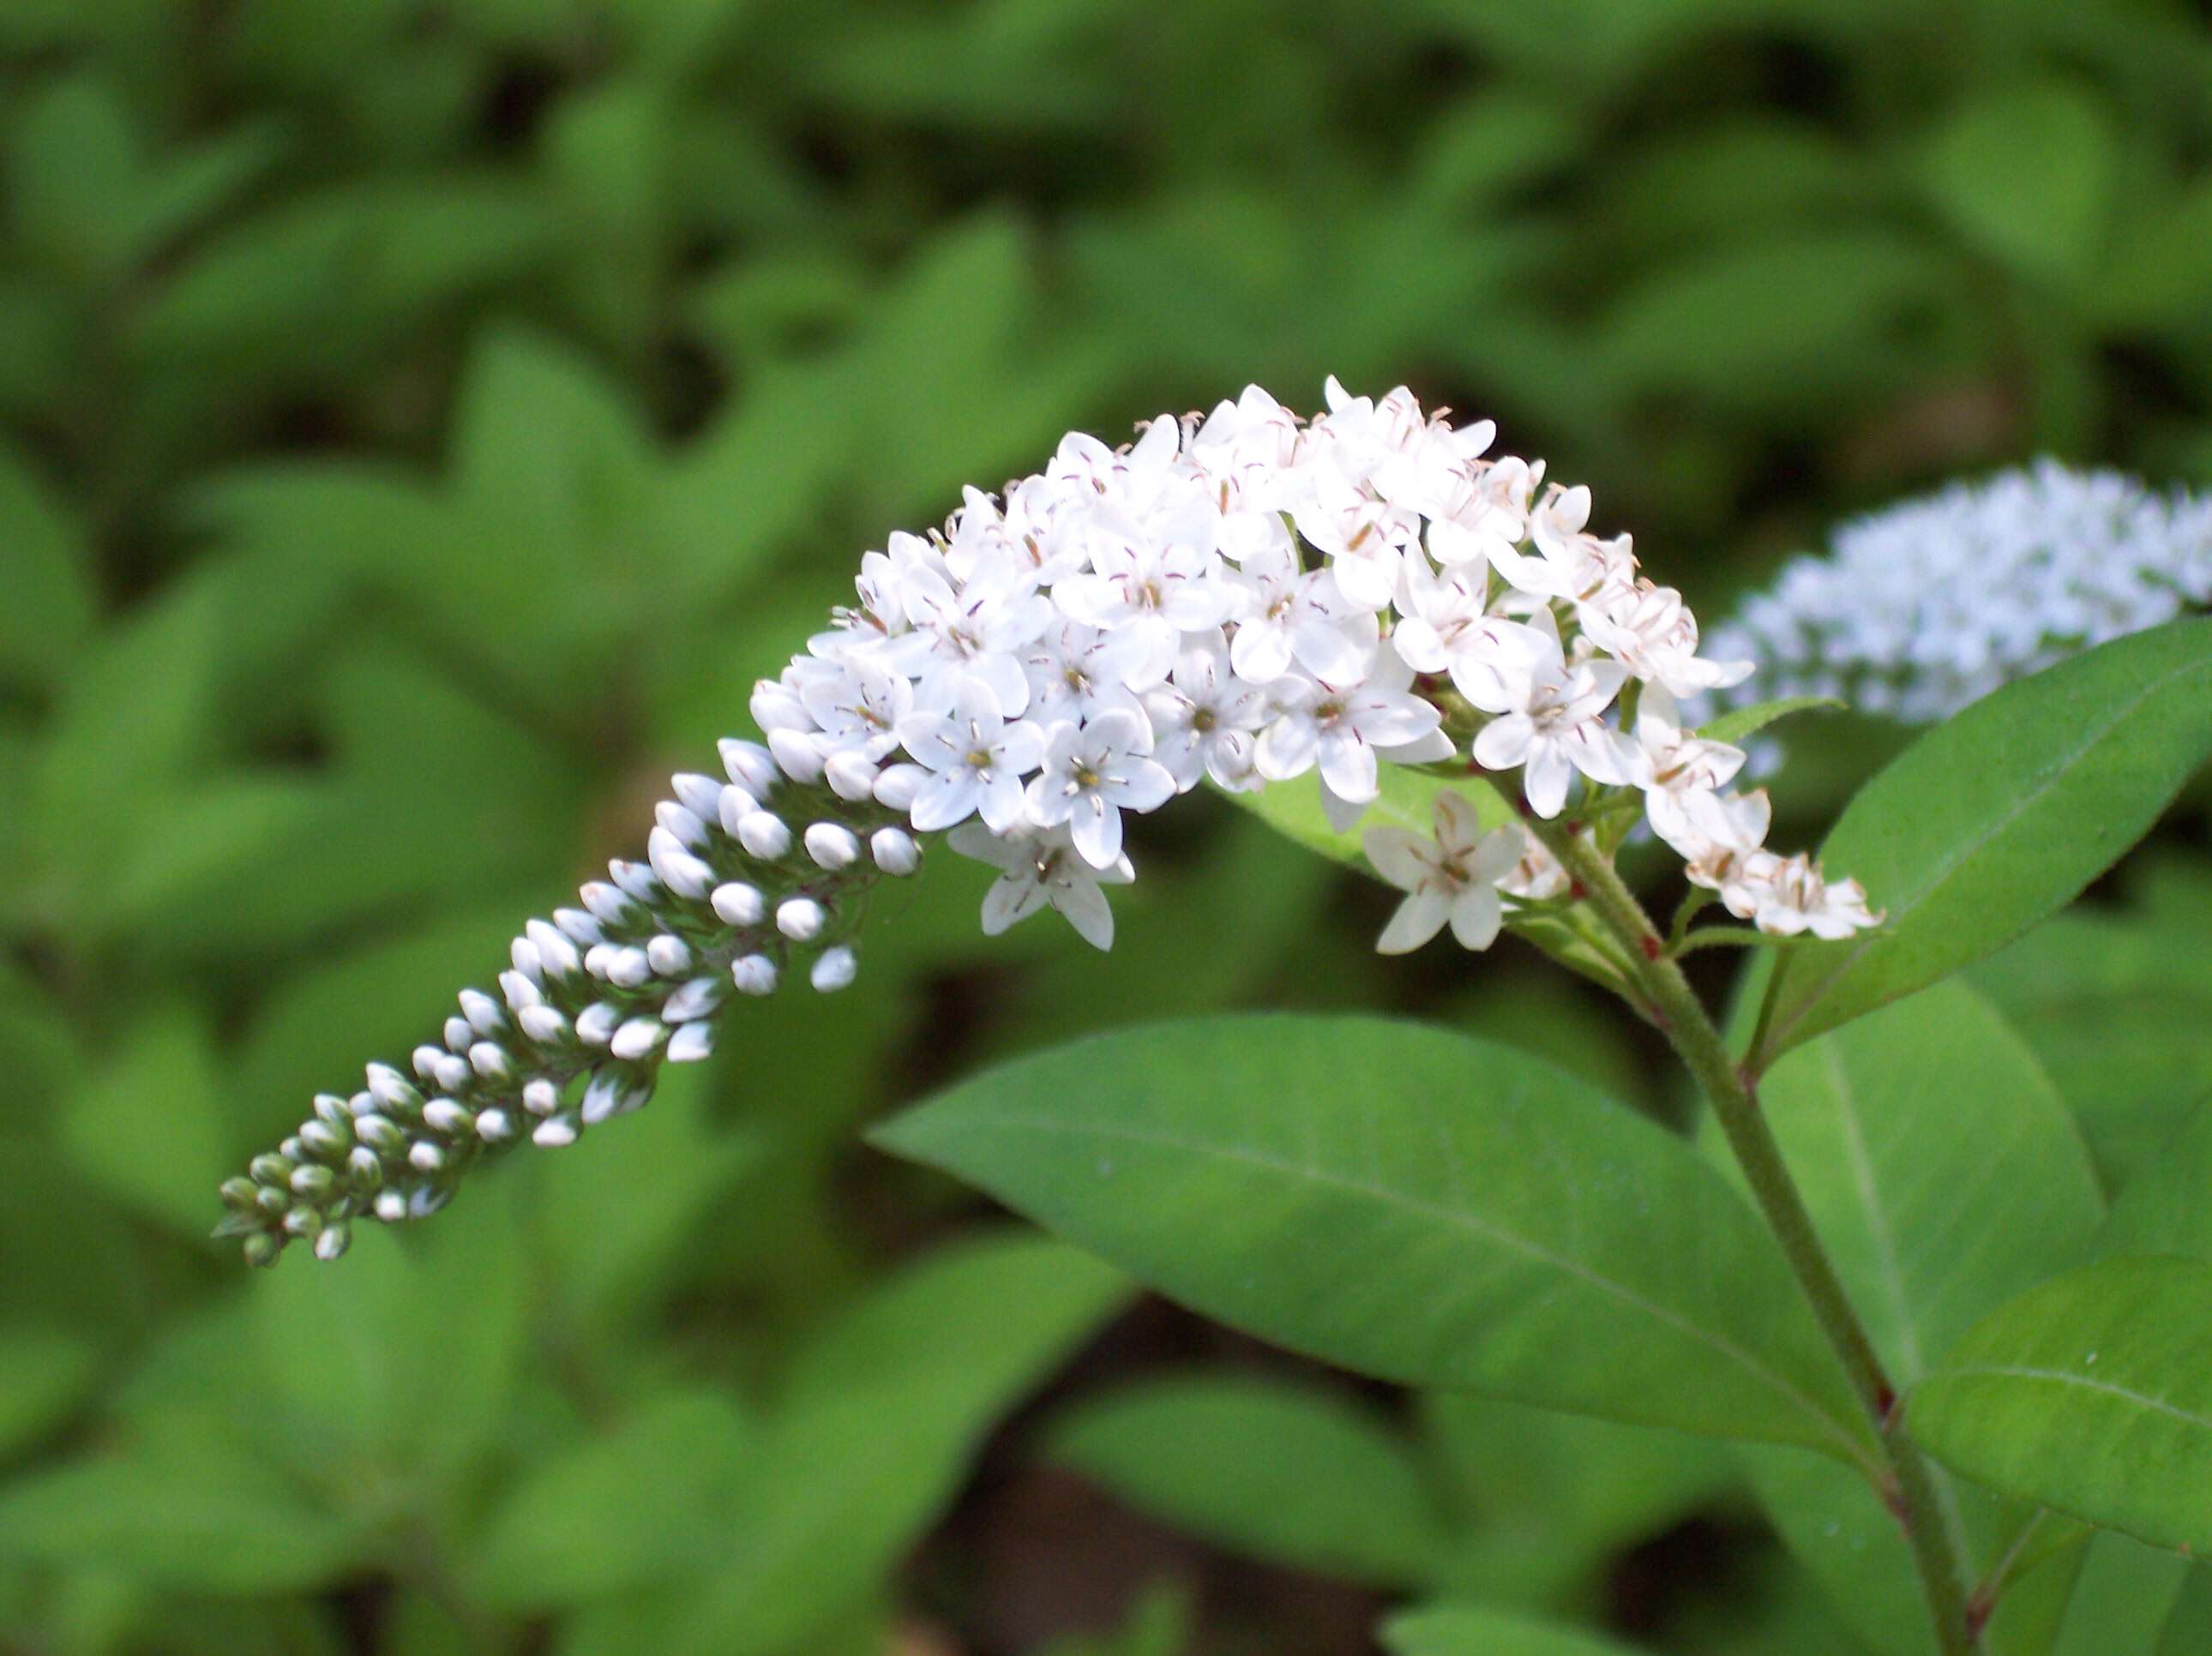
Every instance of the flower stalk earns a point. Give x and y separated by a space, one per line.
1907 1484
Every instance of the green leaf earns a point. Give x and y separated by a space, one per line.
179 1512
46 596
1944 1175
2026 174
2088 1393
1288 1474
880 1424
49 1373
1998 817
1549 1500
2122 1596
1466 1630
627 1507
1411 1205
1735 725
2163 1208
151 1127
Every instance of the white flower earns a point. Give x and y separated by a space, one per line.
1156 588
973 634
1652 633
1078 672
1444 627
1244 451
1453 878
975 762
1539 876
1364 535
1672 765
1788 896
1929 605
1039 870
1094 772
1554 728
1342 728
1721 836
858 704
1205 719
1298 615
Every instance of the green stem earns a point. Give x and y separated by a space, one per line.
1909 1488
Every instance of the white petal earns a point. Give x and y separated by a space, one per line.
1419 919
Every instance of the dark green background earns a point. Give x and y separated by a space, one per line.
419 423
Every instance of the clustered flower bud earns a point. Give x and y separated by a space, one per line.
1242 597
596 1000
1926 606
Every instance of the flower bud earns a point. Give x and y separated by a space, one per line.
426 1060
895 851
699 795
595 1024
488 1059
609 904
764 836
337 1111
520 991
800 919
483 1013
898 786
637 1038
365 1168
612 1092
851 775
556 954
748 765
267 1169
453 1073
776 706
448 1117
832 845
391 1206
637 879
835 970
391 1089
690 1043
525 958
732 806
425 1157
754 974
681 822
541 1097
330 1241
323 1141
543 1025
797 755
554 1134
738 904
261 1249
696 999
628 968
459 1033
669 956
583 928
303 1222
494 1126
313 1181
682 873
238 1192
380 1133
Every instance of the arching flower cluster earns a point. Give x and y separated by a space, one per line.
1926 606
1243 598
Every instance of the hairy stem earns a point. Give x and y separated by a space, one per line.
1908 1487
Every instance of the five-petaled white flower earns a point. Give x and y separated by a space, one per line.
1039 868
1293 614
1204 719
1342 728
1452 877
1092 772
1672 766
974 760
1555 727
1445 626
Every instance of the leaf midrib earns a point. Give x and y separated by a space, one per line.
1950 865
1856 1452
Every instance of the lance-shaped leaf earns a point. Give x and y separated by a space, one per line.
1471 1630
2000 816
2089 1393
1408 1204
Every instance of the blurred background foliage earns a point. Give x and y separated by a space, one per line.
419 424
